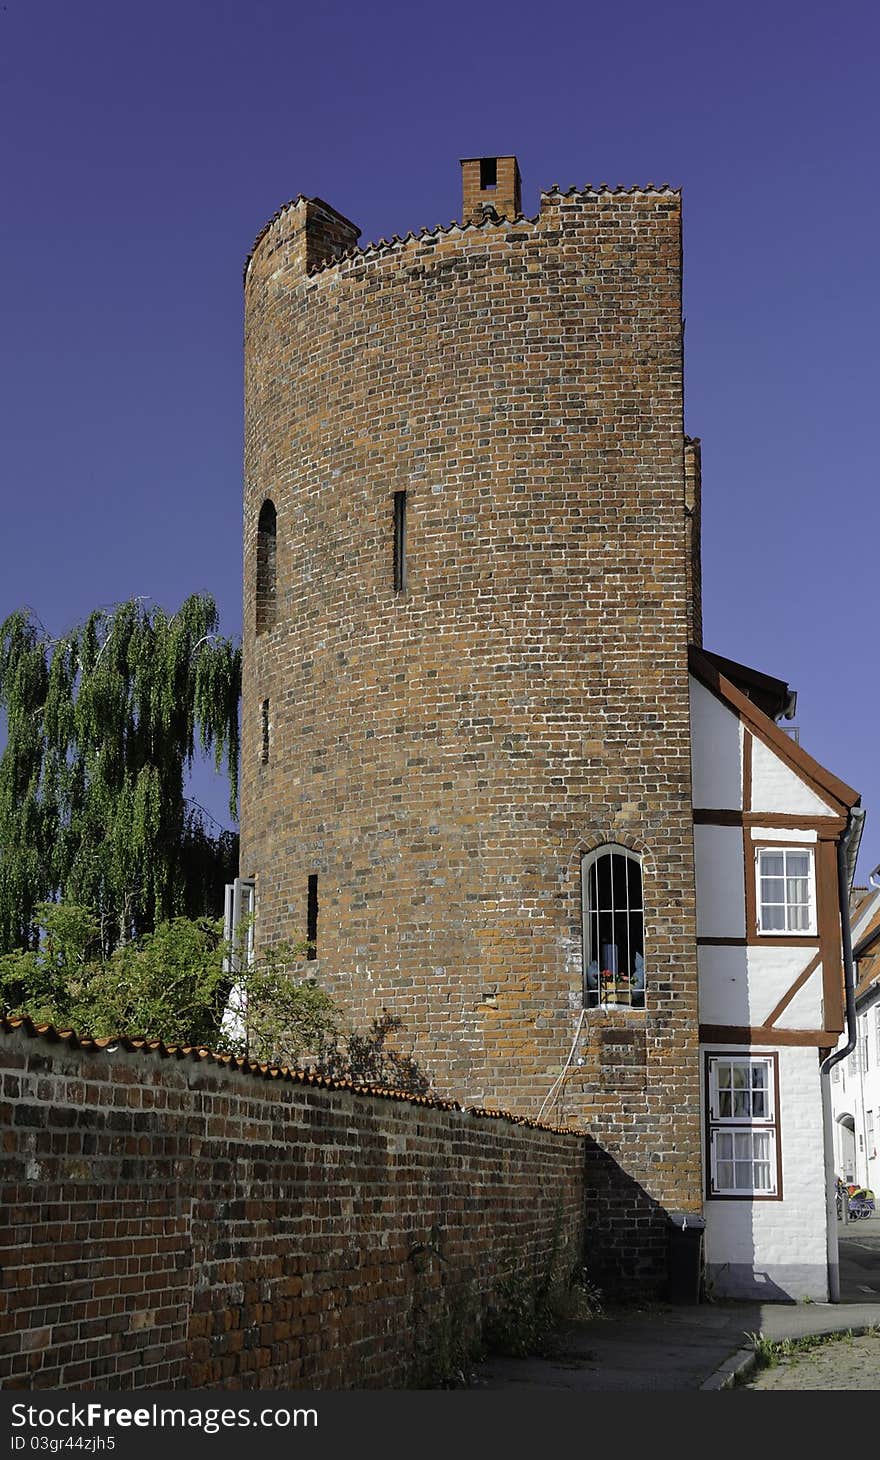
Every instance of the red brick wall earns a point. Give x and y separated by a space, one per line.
172 1223
442 758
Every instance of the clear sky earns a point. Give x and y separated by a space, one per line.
144 146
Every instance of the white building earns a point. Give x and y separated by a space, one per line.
773 832
855 1081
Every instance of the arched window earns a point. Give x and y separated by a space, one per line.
266 595
614 936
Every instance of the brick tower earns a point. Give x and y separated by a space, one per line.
470 579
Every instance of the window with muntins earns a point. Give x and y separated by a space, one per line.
613 925
742 1128
786 897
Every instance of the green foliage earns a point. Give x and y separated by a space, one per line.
171 984
167 984
276 1017
101 727
770 1352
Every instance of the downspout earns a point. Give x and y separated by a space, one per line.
847 852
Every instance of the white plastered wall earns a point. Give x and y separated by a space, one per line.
742 987
775 1250
757 1249
716 754
718 856
776 787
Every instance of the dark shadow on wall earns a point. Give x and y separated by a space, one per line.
372 1059
629 1237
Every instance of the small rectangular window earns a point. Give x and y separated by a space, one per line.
864 1045
869 1133
786 900
743 1134
264 733
400 542
312 917
488 173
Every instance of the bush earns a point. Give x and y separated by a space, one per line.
168 984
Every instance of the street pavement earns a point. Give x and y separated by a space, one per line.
702 1346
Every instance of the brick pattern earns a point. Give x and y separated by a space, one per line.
174 1224
693 488
504 198
442 758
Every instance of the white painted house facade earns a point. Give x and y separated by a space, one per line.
855 1081
768 821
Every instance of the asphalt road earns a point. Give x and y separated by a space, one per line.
675 1348
860 1261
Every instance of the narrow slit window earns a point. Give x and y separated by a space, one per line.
399 542
488 173
312 917
264 733
266 598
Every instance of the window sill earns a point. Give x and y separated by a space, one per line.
787 933
613 1006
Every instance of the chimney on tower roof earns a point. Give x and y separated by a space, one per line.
489 184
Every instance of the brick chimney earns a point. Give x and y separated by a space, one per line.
489 184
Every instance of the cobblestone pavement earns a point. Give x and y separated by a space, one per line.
838 1363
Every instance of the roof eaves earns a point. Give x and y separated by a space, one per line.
823 781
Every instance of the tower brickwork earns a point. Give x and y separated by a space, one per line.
440 748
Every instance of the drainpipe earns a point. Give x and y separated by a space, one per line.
847 852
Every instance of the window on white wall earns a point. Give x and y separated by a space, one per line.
743 1134
613 922
786 897
877 1032
864 1042
869 1132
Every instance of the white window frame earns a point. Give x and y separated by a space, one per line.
744 1126
239 904
877 1032
864 1044
784 851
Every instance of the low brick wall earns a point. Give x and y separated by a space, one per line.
174 1222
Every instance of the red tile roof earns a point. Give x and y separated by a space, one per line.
201 1054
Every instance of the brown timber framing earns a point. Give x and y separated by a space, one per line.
828 923
840 798
827 826
826 785
766 1034
795 988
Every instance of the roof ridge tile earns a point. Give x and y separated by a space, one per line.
201 1053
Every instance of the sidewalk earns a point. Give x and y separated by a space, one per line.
698 1347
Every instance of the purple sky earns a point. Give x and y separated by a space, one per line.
143 147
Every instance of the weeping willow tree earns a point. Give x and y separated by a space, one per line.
101 727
